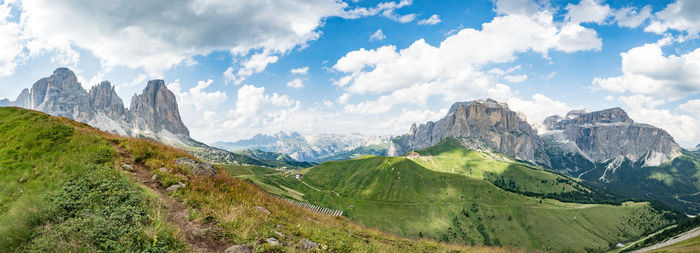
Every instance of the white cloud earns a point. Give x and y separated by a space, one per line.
452 70
386 9
588 11
515 78
343 99
11 42
253 65
630 17
296 83
692 107
378 35
432 20
646 71
159 34
197 106
609 98
538 108
682 15
300 71
684 128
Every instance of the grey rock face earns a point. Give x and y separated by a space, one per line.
609 134
156 109
104 99
61 95
5 102
196 167
481 124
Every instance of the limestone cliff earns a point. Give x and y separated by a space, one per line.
480 124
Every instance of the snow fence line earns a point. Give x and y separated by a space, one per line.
314 208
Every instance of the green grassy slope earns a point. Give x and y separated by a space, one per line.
423 196
675 183
59 191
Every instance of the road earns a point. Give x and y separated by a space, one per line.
682 237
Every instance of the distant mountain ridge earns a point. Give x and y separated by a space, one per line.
310 148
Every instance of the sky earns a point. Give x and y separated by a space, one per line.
239 68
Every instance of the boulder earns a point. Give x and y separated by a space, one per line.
175 187
196 167
272 241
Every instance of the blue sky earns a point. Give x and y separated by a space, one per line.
372 67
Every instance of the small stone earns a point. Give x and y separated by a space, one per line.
196 167
164 170
154 178
175 187
272 241
306 245
262 209
22 180
243 248
280 234
127 167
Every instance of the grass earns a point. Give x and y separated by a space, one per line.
62 190
402 196
690 245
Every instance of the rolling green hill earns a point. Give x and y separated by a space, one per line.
451 194
66 187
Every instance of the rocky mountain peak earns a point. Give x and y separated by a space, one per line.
478 124
62 95
104 99
609 134
156 110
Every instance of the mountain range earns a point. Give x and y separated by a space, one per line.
153 114
315 147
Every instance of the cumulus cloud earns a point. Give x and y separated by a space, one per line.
296 83
684 128
515 78
378 35
386 9
11 41
682 15
647 71
452 70
253 65
196 103
631 17
432 20
538 107
588 11
300 71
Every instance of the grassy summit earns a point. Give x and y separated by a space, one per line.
452 194
64 187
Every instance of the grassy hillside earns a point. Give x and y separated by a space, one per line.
67 187
449 194
59 191
274 159
675 183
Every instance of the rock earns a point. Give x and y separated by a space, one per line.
272 241
306 245
243 248
196 167
175 187
156 110
479 124
262 209
280 234
104 99
608 134
153 113
127 167
154 178
164 170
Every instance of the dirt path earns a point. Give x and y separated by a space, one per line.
200 237
682 237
